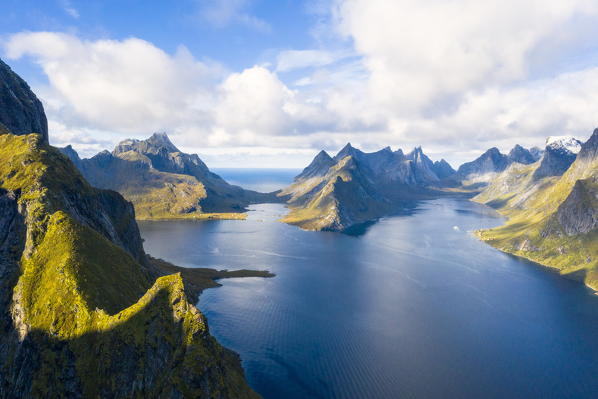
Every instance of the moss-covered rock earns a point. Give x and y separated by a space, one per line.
82 312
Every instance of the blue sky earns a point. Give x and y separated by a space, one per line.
269 83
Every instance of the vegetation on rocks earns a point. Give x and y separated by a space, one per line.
551 220
84 312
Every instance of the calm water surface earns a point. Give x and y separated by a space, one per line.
416 307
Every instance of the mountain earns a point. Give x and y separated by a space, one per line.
552 217
521 155
20 110
163 182
84 313
491 162
354 187
559 154
443 169
318 167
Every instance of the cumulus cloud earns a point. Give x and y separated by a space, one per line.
456 77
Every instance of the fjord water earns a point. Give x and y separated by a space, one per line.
413 307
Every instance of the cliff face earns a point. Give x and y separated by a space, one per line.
20 110
82 313
163 182
553 217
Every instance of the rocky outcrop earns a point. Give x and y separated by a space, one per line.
20 110
82 311
578 214
559 154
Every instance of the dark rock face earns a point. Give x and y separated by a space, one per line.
578 214
556 160
20 110
423 167
443 169
489 162
521 155
318 167
589 149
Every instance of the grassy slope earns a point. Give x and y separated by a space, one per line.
532 231
77 290
156 195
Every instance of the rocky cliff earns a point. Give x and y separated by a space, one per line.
82 311
20 110
163 182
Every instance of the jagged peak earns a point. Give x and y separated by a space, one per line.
567 143
157 142
590 147
322 155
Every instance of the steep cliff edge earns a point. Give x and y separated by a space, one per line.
20 110
82 313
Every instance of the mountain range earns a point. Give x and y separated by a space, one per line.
551 208
165 183
354 187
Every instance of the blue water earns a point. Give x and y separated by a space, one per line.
415 307
263 180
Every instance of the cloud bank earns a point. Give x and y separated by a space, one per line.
455 77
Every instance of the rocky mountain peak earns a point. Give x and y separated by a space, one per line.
521 155
347 150
559 154
590 148
318 167
491 161
20 110
157 143
563 143
443 169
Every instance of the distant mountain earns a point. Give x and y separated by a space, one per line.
318 167
521 155
559 154
491 162
552 208
163 182
20 110
443 169
353 187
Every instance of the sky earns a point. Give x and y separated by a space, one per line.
269 83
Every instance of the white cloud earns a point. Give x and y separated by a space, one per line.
456 77
298 59
221 13
69 9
